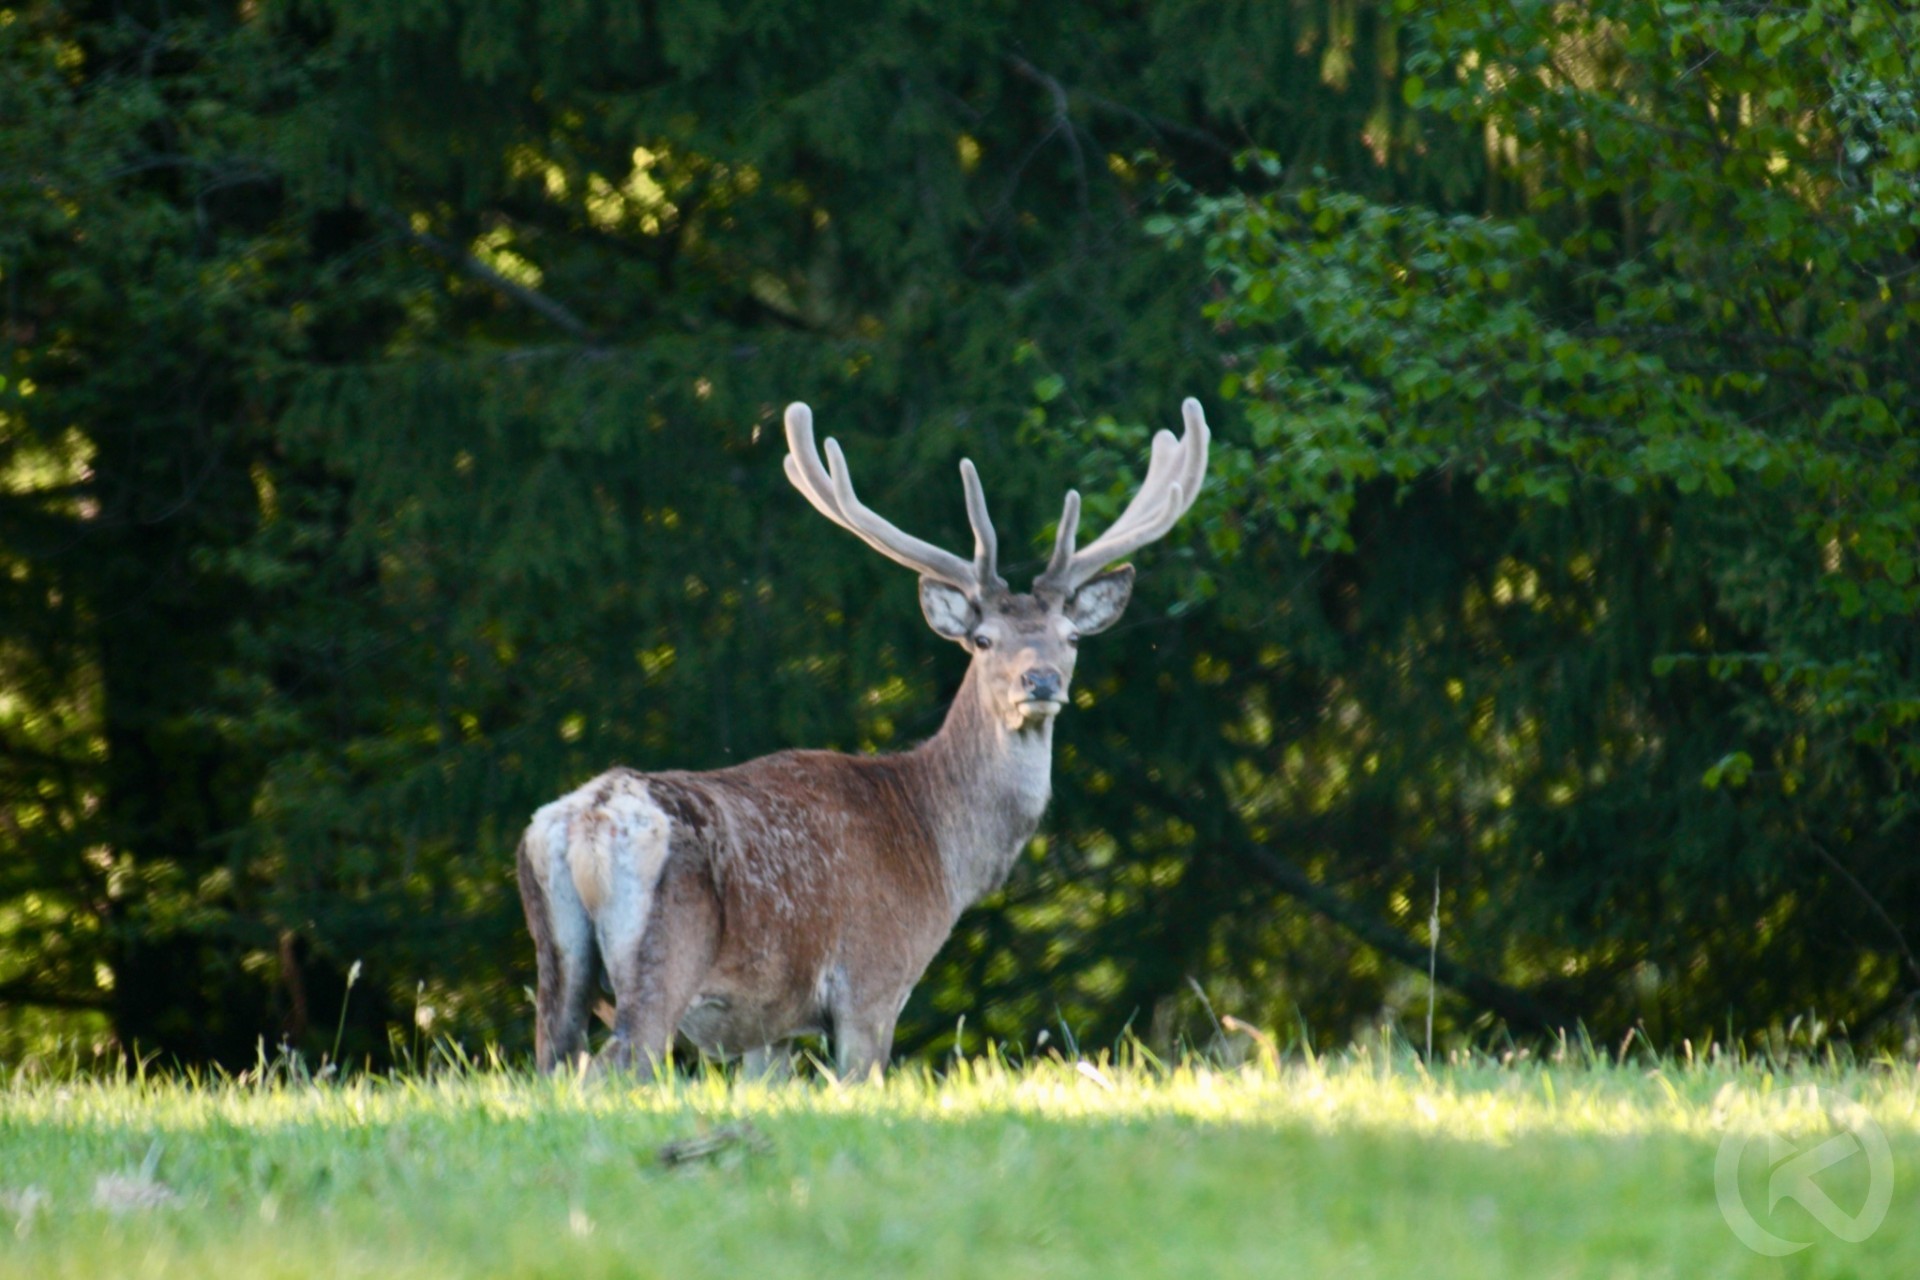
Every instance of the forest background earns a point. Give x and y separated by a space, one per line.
388 442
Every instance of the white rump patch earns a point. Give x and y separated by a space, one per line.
617 848
600 864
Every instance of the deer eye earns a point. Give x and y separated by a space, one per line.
983 641
1073 641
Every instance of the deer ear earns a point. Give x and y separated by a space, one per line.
949 612
1099 604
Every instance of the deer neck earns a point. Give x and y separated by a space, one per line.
988 786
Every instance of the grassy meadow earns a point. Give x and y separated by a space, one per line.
1365 1164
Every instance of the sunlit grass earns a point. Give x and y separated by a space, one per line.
1365 1164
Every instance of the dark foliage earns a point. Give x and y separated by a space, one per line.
388 440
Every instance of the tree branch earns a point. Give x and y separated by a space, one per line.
1151 123
1873 904
532 299
1062 123
23 992
1521 1009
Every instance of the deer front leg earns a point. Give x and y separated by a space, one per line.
860 1053
863 1037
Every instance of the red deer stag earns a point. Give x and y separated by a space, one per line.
807 891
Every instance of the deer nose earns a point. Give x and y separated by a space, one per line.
1042 684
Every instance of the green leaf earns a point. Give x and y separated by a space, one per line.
1733 769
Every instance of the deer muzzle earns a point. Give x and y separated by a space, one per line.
1042 690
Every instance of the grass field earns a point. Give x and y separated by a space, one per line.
1361 1165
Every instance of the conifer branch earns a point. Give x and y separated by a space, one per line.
527 297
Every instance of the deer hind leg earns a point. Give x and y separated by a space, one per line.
564 952
657 974
619 845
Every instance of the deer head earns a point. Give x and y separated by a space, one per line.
1023 644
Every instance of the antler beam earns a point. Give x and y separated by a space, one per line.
830 489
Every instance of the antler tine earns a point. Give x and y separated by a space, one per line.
1174 476
1193 421
830 490
1162 466
1185 460
803 467
986 546
1063 539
